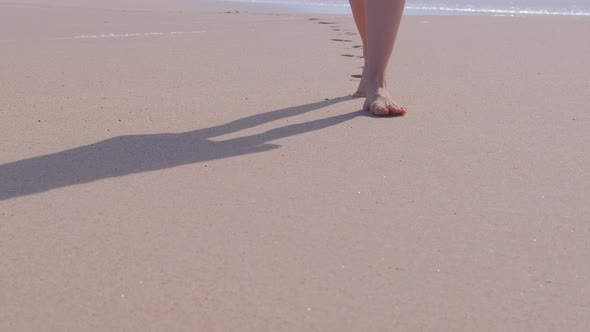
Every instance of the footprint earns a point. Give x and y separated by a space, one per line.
356 76
314 19
351 33
326 23
347 55
342 40
335 29
357 46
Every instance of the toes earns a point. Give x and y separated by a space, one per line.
393 109
384 108
378 108
380 111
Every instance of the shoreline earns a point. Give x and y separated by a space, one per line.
327 9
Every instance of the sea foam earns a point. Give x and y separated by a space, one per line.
488 8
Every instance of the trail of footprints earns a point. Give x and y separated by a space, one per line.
336 28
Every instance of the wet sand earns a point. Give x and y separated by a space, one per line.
180 168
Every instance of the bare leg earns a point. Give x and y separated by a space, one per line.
383 18
358 12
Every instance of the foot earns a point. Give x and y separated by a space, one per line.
380 103
361 91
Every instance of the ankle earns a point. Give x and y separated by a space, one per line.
375 81
376 84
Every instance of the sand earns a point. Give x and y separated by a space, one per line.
188 169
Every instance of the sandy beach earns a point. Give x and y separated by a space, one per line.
187 167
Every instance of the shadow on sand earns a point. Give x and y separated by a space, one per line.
131 154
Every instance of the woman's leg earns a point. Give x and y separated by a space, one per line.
358 12
383 18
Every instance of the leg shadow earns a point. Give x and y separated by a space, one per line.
130 154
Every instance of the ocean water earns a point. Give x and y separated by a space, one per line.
452 7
